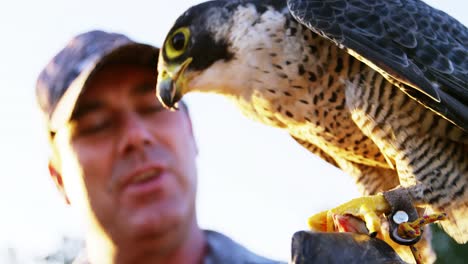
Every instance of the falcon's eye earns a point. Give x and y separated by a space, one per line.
177 42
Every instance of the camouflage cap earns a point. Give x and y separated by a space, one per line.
61 82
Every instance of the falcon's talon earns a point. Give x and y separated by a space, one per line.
366 209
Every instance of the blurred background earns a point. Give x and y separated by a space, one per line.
255 183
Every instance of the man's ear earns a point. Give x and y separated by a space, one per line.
58 180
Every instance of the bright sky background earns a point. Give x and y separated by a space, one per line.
255 183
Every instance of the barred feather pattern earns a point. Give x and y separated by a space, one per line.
429 153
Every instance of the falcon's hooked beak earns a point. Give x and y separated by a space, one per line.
172 83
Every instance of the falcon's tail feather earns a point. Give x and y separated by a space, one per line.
456 225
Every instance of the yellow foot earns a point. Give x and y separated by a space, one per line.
363 215
348 217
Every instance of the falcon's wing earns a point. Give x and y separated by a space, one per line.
420 49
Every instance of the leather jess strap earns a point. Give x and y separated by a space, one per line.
400 202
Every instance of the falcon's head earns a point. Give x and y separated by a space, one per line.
205 49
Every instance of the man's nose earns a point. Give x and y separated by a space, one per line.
136 134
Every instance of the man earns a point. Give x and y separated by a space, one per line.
125 162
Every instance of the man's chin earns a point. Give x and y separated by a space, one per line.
150 231
153 221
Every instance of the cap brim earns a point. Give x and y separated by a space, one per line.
132 53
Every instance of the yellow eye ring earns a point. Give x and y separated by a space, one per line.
177 42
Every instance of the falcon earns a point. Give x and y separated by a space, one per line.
377 88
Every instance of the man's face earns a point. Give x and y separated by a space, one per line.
125 161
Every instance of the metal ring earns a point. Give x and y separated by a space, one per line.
403 241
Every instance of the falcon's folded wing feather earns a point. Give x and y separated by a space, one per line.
420 49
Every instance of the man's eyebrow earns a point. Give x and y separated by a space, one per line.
84 108
144 88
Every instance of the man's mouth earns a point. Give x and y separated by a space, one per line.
146 176
147 180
